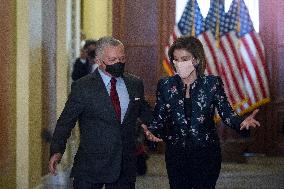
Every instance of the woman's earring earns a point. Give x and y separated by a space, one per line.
196 63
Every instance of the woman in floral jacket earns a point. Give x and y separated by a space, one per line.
184 118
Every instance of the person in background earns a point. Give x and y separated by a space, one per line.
82 38
184 118
107 104
92 61
84 64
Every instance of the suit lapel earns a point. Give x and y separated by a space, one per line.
100 92
131 92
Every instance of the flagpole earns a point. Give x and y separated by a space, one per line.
217 29
193 19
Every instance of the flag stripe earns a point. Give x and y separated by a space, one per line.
234 43
249 82
227 50
211 66
261 61
228 77
253 62
210 42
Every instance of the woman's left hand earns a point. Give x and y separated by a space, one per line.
150 135
250 121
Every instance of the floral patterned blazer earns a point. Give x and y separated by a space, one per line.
207 94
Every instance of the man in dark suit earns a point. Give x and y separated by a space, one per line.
83 65
107 104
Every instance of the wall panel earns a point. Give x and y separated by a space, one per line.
270 139
144 27
7 94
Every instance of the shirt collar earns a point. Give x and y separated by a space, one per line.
83 60
106 78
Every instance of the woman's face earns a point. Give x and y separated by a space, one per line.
184 63
181 55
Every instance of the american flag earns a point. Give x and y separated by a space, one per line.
219 29
233 50
251 53
191 23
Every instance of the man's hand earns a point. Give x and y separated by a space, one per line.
54 160
149 135
250 121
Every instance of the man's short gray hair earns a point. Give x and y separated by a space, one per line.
104 42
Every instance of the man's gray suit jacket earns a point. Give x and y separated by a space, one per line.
106 146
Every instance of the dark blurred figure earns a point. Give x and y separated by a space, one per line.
85 63
107 104
185 108
141 153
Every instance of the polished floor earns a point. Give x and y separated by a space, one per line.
257 172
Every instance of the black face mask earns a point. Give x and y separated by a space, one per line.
116 69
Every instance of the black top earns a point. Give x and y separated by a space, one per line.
187 108
193 117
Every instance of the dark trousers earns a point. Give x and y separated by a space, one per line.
193 168
121 183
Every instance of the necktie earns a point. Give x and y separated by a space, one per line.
115 99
